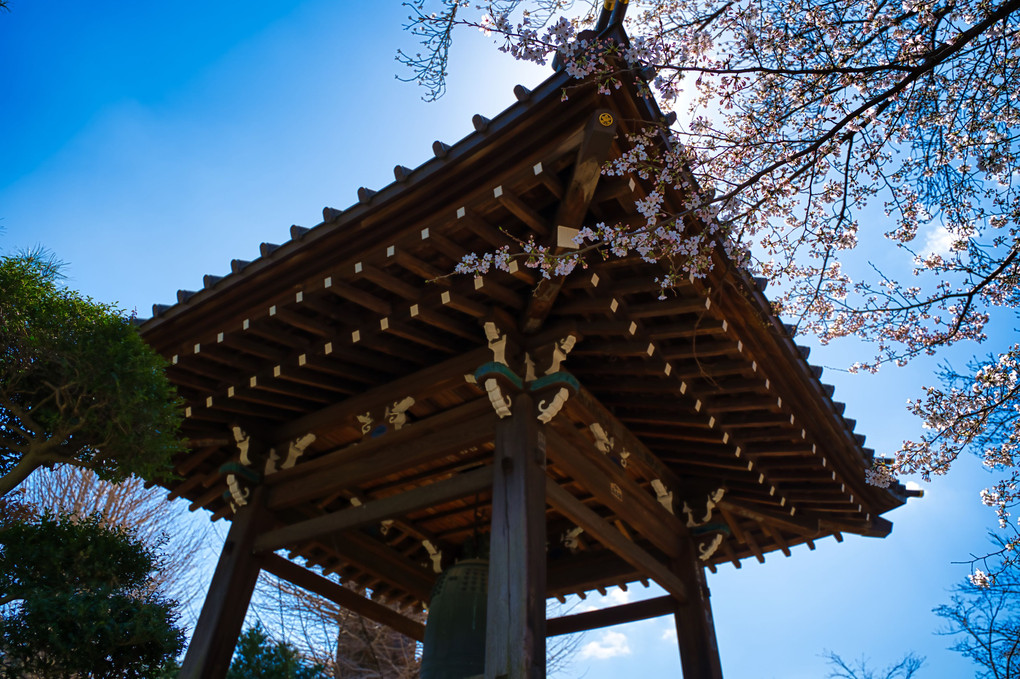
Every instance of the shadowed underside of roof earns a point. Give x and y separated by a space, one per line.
356 332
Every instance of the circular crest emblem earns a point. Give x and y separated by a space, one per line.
606 119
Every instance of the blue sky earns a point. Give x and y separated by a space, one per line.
147 144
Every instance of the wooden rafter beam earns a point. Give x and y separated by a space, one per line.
592 153
593 524
589 409
377 510
808 527
340 595
600 476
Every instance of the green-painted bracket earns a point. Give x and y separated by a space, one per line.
717 527
492 368
238 469
561 378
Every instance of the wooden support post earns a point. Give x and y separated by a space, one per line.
695 629
219 624
515 626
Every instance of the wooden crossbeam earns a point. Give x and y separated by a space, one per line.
607 617
340 595
595 526
377 510
379 559
432 379
417 443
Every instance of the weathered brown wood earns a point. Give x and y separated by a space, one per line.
669 307
777 536
443 321
603 304
515 623
463 304
194 458
343 362
608 535
597 474
590 409
700 350
488 286
403 330
389 282
446 246
607 617
350 293
432 379
185 486
752 543
596 143
524 212
726 404
805 526
340 595
695 629
586 570
219 623
416 443
299 320
495 237
382 560
377 510
428 272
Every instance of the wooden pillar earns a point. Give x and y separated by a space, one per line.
515 626
695 629
219 624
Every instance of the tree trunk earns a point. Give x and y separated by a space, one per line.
28 464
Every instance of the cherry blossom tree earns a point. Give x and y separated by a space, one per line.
797 123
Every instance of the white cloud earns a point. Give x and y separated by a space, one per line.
938 241
617 597
614 597
611 645
913 485
669 634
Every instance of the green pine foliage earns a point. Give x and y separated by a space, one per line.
76 601
77 383
259 657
